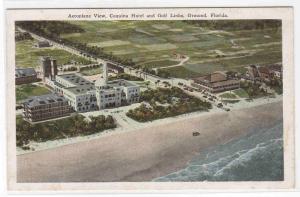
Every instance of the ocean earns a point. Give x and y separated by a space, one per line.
257 156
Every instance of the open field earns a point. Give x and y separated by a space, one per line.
29 56
154 43
27 90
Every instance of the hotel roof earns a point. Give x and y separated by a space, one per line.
44 100
25 72
80 84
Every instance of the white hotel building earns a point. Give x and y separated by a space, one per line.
84 95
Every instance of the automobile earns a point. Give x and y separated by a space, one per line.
204 96
191 90
227 109
19 107
196 133
180 84
220 105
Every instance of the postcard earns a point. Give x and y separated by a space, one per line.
159 99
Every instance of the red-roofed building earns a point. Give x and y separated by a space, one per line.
215 82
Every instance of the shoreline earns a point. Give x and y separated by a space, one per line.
41 146
146 153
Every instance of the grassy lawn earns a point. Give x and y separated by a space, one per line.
181 72
92 71
29 56
228 95
27 90
241 93
159 63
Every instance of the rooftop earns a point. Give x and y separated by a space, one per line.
81 85
275 67
212 78
44 100
25 72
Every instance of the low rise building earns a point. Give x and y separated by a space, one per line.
215 82
263 73
276 70
45 107
42 44
25 75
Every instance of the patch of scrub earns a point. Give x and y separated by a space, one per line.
204 68
106 30
182 38
143 31
139 38
176 30
160 47
161 26
110 43
124 51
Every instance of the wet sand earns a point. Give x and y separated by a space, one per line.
143 154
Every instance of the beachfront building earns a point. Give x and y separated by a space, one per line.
115 93
276 70
84 95
215 82
45 107
263 73
25 75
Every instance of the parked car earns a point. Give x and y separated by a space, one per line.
180 84
220 105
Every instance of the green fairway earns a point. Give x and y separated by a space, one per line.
155 44
152 44
27 90
29 56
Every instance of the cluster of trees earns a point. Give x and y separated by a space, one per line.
276 84
54 28
172 102
70 68
253 89
23 36
76 125
236 24
90 67
126 77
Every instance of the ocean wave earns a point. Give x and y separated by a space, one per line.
255 157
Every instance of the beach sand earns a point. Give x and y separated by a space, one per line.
146 153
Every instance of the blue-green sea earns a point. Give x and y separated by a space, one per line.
257 156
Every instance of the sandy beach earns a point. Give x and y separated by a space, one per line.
145 153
